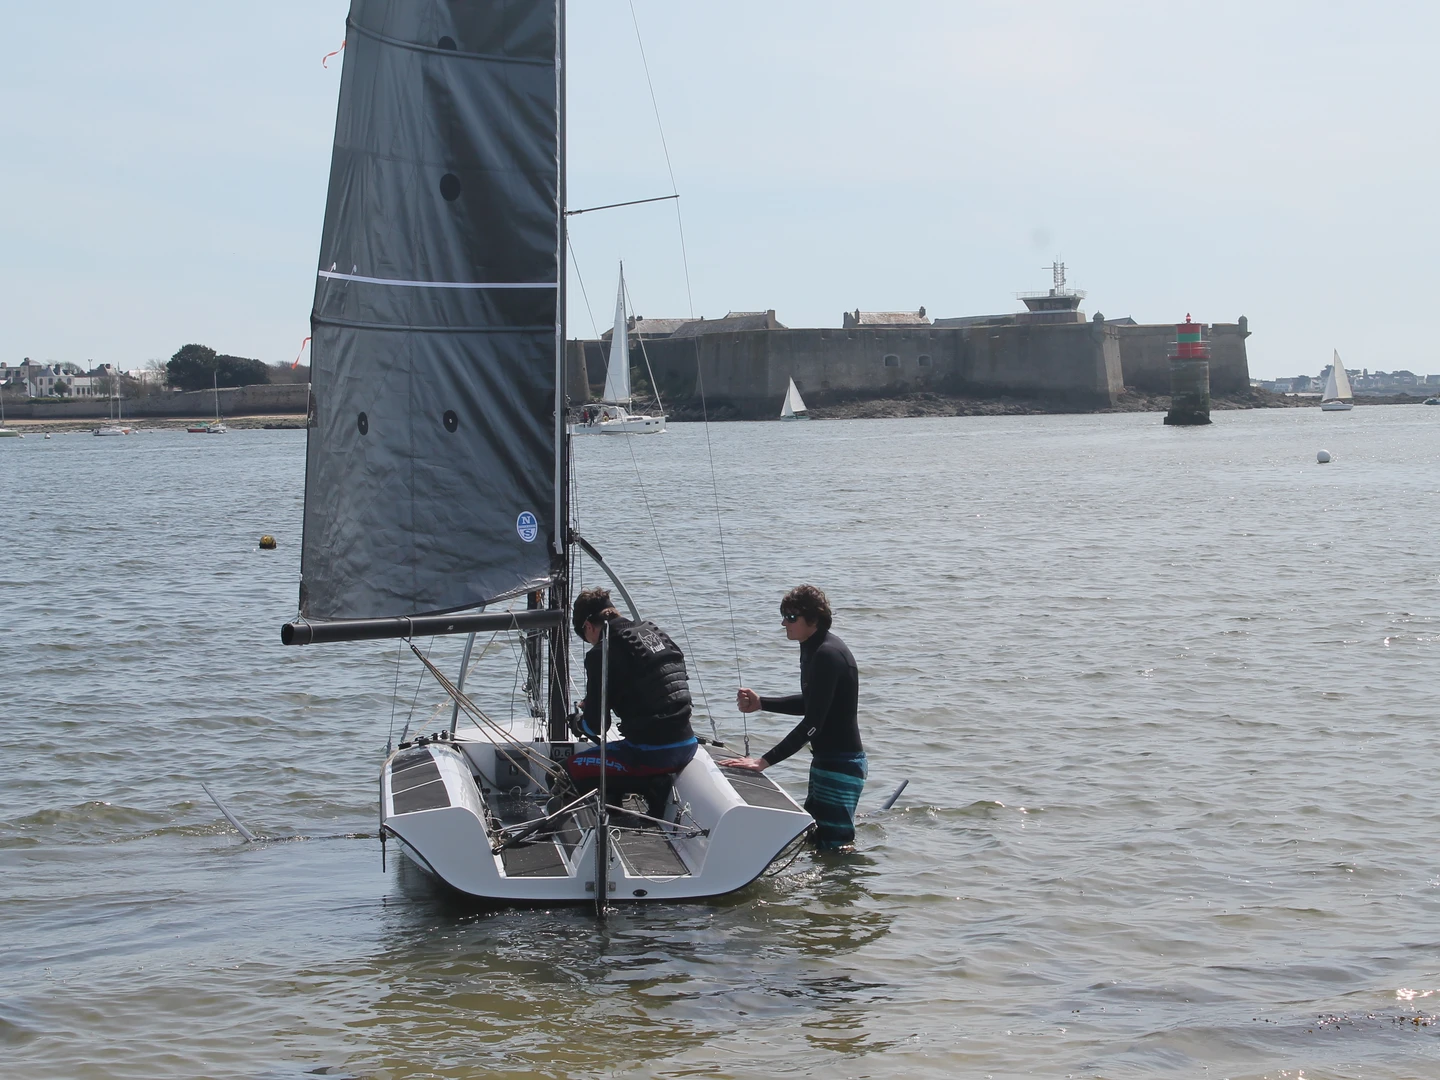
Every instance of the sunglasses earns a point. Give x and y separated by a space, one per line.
789 617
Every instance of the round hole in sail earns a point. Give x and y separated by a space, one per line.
447 42
450 187
450 420
363 423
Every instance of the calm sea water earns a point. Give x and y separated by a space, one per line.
1166 701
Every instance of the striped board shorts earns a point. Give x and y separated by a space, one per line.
835 786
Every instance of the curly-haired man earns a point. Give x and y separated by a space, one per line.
828 704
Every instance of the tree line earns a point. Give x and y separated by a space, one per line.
199 367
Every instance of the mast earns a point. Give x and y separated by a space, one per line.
559 680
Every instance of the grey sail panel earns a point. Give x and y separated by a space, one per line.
431 455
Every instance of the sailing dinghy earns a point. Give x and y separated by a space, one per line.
1336 397
794 407
437 470
612 415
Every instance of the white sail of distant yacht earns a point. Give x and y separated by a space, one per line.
794 407
612 416
617 371
1337 388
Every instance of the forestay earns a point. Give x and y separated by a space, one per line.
432 481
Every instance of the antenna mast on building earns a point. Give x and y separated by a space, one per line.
1057 274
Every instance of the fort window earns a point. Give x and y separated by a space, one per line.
924 361
892 360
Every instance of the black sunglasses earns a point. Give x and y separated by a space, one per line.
788 617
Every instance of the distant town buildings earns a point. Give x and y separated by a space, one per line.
64 380
1362 381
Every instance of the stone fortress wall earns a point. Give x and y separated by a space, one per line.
1071 365
1049 353
1145 356
1068 365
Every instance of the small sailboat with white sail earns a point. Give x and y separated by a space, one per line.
1337 396
611 415
794 407
438 469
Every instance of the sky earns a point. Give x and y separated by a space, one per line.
165 163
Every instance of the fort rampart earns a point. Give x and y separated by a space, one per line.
1079 365
1145 356
1072 366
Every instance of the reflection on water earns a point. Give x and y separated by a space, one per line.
558 993
1164 699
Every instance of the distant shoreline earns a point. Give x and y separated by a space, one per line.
237 423
929 403
925 404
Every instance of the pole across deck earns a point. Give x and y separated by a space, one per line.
412 626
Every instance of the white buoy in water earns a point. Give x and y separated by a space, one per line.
1323 456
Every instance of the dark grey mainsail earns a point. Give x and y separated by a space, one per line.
432 482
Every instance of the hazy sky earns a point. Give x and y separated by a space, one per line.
165 166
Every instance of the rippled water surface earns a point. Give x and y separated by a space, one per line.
1166 701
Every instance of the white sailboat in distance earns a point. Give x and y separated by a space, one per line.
1337 395
611 415
794 407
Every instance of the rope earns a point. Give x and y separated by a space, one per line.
669 579
394 700
665 146
690 300
720 529
795 846
415 698
477 714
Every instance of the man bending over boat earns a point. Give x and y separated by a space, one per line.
649 691
828 703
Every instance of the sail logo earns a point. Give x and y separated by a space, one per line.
527 527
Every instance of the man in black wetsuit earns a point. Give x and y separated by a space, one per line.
649 691
828 701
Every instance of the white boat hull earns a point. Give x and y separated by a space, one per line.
447 801
1336 406
628 424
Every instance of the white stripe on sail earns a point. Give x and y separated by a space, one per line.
442 284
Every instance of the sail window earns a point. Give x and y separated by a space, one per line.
924 361
447 42
892 360
450 187
363 423
450 420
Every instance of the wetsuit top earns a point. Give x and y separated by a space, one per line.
649 688
828 700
